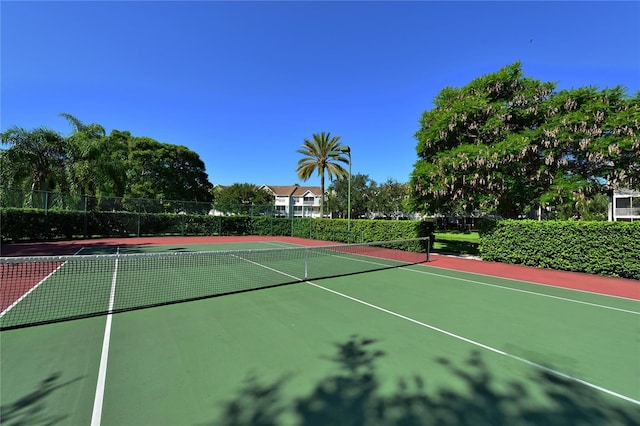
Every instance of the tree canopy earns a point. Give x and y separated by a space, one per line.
90 162
161 170
506 143
368 198
35 158
241 198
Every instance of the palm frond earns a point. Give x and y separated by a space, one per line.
321 155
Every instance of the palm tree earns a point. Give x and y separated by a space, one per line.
321 154
34 157
87 166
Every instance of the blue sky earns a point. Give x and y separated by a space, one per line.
243 83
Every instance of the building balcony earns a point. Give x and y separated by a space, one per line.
628 212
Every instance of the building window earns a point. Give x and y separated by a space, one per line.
623 203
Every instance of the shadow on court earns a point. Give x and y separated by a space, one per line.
34 408
352 397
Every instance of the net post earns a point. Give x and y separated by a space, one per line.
306 255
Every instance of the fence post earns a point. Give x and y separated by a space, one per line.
184 220
138 226
85 224
47 231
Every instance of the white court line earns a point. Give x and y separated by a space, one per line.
509 279
96 417
21 298
281 244
566 299
464 339
534 283
266 267
489 348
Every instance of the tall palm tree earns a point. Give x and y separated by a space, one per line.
34 157
321 155
91 168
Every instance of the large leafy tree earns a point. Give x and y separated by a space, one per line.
88 162
165 171
242 198
506 142
591 142
368 198
115 160
362 192
320 154
35 158
389 198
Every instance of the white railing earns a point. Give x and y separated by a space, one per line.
628 212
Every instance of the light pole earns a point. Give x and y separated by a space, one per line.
345 148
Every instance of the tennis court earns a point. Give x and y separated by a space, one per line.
348 334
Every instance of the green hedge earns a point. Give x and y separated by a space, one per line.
604 248
41 225
38 225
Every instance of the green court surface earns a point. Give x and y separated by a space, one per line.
412 345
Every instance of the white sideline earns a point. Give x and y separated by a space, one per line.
21 298
566 299
489 348
96 416
464 339
534 283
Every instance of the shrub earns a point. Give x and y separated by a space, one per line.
40 225
604 248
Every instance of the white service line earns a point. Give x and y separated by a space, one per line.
534 283
566 299
464 339
266 267
21 298
96 417
489 348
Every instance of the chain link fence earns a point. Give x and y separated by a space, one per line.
46 215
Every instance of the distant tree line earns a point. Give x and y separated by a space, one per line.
90 162
368 198
504 144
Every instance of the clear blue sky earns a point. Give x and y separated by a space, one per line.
243 83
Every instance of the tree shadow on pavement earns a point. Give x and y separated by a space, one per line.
34 408
353 396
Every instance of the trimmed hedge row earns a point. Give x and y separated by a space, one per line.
40 225
603 248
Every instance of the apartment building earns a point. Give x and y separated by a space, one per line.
296 201
624 205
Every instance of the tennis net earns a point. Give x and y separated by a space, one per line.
46 289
